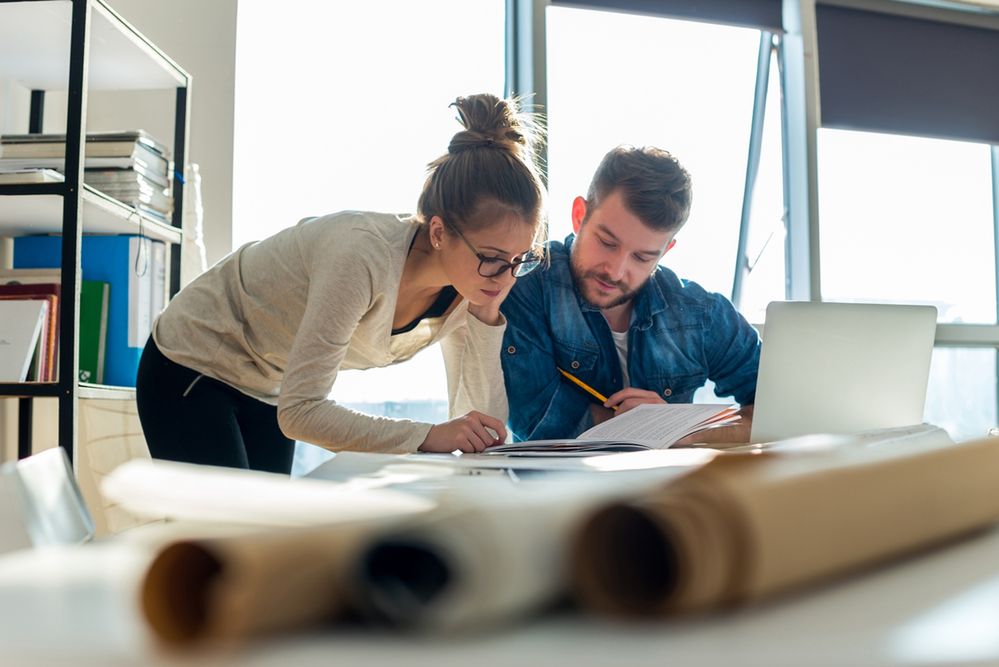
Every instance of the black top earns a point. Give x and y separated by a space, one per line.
436 309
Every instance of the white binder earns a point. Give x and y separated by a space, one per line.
20 325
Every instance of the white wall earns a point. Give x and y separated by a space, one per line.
200 35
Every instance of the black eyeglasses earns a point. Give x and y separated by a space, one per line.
490 267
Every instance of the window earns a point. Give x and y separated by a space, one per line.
907 220
901 218
910 220
688 88
316 132
764 279
961 396
683 86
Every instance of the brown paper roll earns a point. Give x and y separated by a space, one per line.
746 526
239 586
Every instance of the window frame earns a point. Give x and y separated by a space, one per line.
798 59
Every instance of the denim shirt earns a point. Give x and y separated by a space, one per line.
680 336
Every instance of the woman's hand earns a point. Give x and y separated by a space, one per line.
489 312
470 433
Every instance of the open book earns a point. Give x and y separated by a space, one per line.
645 427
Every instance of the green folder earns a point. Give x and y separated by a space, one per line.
94 296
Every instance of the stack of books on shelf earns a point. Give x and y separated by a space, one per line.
130 166
29 308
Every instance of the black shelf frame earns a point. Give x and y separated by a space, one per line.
67 387
33 189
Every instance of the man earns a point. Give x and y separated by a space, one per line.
605 312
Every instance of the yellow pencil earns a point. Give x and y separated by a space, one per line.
585 387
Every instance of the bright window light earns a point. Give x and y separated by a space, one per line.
907 220
341 106
682 86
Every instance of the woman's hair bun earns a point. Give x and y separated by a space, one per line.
490 123
491 168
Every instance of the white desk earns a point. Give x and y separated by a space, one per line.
939 608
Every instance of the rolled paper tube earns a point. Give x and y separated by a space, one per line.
241 586
488 556
473 568
748 526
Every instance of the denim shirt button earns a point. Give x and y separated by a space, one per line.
667 392
511 349
575 365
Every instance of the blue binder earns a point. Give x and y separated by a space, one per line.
125 262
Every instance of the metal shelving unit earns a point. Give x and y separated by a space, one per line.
41 41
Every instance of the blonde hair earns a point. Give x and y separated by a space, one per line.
491 167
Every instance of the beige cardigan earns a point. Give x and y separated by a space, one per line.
277 319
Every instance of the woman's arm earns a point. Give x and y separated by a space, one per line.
340 293
474 372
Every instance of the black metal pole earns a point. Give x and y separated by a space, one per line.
180 162
24 427
36 114
72 229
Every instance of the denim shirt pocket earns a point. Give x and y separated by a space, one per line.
576 359
520 360
678 387
668 354
530 388
520 355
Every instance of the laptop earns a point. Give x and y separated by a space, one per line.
842 368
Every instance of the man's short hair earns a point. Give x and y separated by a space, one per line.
653 183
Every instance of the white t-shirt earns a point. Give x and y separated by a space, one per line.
621 343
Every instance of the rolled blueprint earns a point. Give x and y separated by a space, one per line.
493 549
240 586
257 552
470 566
749 525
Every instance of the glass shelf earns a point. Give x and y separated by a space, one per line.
22 214
121 58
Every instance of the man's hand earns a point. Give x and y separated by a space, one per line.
733 433
624 400
631 397
468 434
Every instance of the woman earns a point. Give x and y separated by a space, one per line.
240 364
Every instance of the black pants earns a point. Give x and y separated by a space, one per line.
192 418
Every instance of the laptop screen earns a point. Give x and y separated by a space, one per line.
842 368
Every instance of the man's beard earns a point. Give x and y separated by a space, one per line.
579 278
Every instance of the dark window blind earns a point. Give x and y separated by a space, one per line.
897 74
761 14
